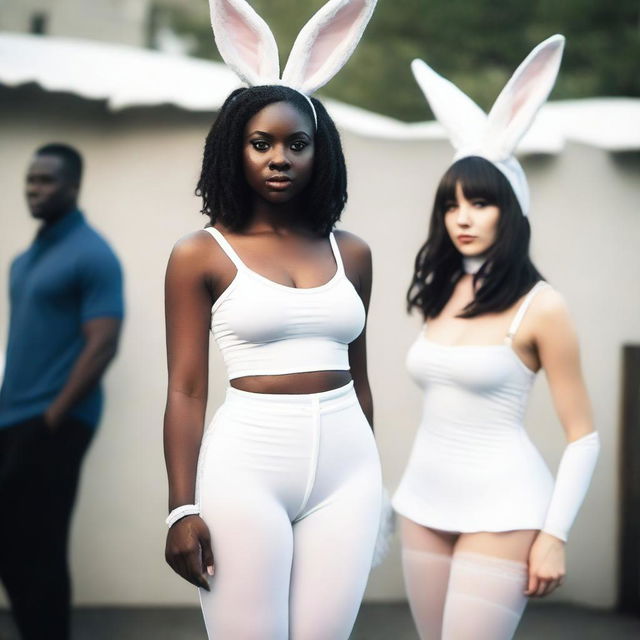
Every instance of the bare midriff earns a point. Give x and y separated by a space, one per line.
307 382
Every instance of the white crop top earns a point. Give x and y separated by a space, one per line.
265 328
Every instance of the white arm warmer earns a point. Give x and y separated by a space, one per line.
572 482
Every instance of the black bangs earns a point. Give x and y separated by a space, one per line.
507 272
478 179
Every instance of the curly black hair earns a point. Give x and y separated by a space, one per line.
226 196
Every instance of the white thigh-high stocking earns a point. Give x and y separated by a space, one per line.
485 599
426 577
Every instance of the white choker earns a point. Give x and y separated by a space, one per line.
472 264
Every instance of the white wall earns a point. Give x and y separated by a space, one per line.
141 169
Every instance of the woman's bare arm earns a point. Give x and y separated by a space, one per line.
559 353
188 302
557 346
356 256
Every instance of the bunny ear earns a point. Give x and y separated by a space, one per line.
325 43
522 97
463 120
245 41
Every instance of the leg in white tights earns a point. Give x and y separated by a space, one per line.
334 536
253 549
331 564
485 599
426 562
290 490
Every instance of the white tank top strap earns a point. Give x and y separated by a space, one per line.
517 320
226 247
336 253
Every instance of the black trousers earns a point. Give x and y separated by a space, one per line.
39 472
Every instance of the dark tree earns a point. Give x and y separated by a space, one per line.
475 43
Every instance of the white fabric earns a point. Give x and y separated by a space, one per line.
386 530
463 596
290 488
485 598
426 580
572 481
473 467
266 328
181 512
495 136
472 264
321 49
245 41
313 109
325 43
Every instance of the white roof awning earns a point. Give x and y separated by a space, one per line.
126 76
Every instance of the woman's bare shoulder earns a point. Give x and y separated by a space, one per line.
549 304
352 247
196 246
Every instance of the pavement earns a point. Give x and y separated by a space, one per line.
392 621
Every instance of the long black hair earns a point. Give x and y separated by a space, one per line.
507 273
226 196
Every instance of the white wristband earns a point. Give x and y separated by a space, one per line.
181 512
572 481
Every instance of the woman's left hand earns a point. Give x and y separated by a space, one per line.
546 565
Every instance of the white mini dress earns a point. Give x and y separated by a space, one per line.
473 467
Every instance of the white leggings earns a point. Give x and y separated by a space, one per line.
290 488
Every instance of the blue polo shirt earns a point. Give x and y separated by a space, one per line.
67 276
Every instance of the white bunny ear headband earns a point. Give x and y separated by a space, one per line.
496 135
321 49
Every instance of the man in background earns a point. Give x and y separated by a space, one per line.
66 302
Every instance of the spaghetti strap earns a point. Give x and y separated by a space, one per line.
336 252
517 320
226 247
